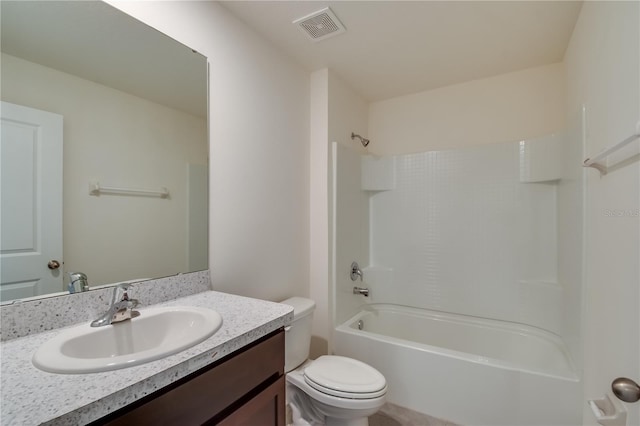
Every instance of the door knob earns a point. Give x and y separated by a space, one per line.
626 389
53 264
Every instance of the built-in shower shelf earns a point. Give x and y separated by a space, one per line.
541 159
616 154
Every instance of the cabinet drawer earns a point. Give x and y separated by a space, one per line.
200 397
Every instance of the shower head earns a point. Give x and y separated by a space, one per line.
363 141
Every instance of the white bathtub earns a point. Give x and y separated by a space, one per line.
468 370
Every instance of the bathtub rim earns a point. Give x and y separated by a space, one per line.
350 327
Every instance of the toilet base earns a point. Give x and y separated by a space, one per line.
326 409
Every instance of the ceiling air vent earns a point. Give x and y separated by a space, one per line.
320 25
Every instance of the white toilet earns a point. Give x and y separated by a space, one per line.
343 390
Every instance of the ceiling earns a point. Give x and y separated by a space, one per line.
97 42
393 48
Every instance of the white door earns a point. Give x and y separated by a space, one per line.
30 202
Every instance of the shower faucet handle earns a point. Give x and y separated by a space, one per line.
355 272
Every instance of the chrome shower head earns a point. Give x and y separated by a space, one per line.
363 141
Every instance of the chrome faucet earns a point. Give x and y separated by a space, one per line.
81 279
355 272
361 290
121 308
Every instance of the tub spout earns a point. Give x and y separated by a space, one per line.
362 291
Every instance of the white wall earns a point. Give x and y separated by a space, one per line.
119 140
319 261
336 111
508 107
570 238
348 113
350 233
259 148
603 73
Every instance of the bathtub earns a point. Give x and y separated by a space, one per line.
467 370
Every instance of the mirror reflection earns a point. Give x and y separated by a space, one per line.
91 96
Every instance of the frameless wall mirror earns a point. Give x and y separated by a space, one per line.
91 96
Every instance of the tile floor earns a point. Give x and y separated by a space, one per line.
394 415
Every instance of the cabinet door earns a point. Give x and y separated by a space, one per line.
265 409
209 394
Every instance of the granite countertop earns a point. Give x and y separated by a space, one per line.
32 396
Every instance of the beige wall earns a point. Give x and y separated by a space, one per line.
603 73
119 140
508 107
259 148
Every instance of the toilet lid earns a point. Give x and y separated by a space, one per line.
345 377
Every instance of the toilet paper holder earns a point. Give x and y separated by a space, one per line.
608 411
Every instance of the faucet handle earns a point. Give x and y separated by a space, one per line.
355 271
124 310
120 293
123 306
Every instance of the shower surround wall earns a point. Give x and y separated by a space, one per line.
461 233
349 229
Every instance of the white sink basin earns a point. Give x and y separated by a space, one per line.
156 333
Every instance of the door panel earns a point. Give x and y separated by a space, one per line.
30 201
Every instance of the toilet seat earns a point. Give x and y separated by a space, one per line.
345 378
296 378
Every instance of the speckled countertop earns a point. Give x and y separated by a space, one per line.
30 396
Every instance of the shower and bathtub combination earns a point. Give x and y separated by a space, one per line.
474 299
467 370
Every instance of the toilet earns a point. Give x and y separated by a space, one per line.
331 390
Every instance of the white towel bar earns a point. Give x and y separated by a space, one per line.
96 189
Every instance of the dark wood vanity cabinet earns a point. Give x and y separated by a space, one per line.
246 387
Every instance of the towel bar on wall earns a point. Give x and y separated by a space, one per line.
96 189
596 161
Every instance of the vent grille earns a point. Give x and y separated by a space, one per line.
320 25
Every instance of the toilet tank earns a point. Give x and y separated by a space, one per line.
298 336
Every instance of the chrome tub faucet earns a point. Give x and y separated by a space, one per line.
355 273
121 309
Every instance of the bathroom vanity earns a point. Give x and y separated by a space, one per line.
244 388
234 377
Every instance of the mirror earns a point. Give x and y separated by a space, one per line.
92 96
